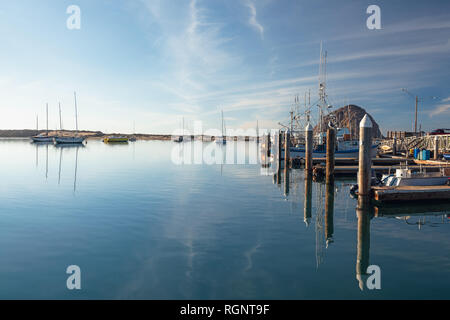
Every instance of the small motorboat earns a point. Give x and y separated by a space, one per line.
406 177
115 139
446 156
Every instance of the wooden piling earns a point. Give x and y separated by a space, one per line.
308 148
394 147
331 147
287 145
365 158
436 148
279 147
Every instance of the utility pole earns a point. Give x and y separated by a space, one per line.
417 100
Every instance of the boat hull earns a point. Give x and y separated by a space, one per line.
43 139
115 140
351 153
69 140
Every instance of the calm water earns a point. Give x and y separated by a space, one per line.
142 227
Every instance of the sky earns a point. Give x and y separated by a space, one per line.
154 62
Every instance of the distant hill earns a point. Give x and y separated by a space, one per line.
349 117
30 133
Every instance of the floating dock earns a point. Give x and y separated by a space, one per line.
411 193
353 170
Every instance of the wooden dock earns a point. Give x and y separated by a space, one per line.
411 193
375 161
353 170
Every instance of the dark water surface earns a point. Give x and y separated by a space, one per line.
142 227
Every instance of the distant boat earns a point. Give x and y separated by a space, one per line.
112 139
180 138
223 138
76 139
133 138
41 137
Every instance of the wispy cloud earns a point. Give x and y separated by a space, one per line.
441 109
252 19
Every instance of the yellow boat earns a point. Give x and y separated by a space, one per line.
115 139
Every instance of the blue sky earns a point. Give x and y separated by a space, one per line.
156 61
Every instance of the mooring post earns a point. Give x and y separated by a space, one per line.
279 145
436 148
331 147
308 148
287 145
394 147
365 157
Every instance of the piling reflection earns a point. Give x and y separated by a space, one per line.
364 214
329 212
308 199
286 182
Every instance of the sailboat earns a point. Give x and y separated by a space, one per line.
75 139
223 138
41 137
180 138
133 138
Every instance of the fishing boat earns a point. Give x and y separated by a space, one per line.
223 138
346 146
75 139
115 139
43 138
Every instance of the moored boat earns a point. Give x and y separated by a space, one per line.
75 139
43 138
112 139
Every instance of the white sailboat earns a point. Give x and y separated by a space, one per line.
42 137
223 138
75 139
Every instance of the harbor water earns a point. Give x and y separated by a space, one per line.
140 226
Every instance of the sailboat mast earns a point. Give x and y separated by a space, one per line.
76 112
46 109
222 125
60 119
37 123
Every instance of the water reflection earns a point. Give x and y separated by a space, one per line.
329 212
308 199
364 215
